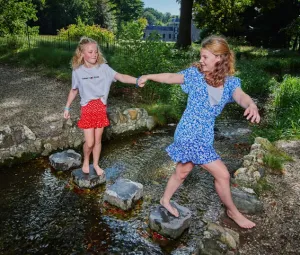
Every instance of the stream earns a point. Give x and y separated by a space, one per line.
42 212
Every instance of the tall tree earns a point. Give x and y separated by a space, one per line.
272 23
127 10
14 16
184 39
220 16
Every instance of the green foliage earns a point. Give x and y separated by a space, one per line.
155 17
132 31
220 16
262 186
287 103
255 81
274 163
75 31
150 56
127 10
14 15
163 113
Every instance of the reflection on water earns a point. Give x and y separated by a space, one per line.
42 213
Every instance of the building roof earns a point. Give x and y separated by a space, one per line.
160 28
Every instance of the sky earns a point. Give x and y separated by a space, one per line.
163 6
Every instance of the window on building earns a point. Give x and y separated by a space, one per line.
170 36
164 36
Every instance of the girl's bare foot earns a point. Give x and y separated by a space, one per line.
85 168
98 170
169 207
241 220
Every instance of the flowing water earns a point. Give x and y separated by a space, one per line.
42 212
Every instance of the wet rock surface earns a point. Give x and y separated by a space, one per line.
161 221
124 193
65 160
87 181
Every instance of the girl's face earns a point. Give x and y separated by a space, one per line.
90 54
208 60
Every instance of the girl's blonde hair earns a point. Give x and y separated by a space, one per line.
78 60
218 46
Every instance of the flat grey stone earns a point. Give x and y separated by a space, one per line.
246 202
123 193
65 160
161 221
90 180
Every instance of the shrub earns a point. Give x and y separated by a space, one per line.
75 31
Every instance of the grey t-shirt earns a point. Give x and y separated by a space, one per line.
214 94
93 83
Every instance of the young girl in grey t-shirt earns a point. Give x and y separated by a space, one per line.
92 78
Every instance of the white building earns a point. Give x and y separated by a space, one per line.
170 32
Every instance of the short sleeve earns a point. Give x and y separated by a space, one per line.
111 73
235 83
75 81
188 75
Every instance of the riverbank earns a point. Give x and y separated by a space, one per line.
31 120
277 230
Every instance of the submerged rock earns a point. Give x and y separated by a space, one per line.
90 180
65 160
161 221
123 193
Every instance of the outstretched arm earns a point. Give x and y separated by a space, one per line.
72 94
246 102
124 78
169 78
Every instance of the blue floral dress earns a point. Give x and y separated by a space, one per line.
194 135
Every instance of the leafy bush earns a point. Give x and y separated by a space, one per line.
75 31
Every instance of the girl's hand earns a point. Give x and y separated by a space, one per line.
67 114
142 80
252 113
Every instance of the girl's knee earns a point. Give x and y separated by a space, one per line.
182 171
89 145
224 176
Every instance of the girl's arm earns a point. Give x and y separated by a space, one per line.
246 102
169 78
72 94
124 78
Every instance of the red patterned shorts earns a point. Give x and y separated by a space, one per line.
93 115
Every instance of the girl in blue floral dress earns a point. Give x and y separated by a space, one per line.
210 86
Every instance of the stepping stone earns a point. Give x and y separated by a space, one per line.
163 222
63 161
123 193
90 180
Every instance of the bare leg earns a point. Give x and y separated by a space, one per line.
222 184
176 179
87 148
97 150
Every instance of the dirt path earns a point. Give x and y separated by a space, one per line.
278 227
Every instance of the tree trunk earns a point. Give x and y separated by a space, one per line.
184 39
295 44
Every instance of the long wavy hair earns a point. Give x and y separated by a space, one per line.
218 46
78 60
